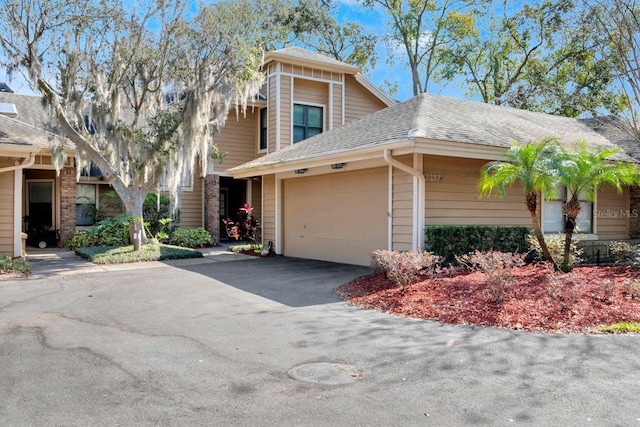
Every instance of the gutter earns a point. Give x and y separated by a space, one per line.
27 162
418 202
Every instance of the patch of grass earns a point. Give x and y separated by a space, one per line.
123 254
622 328
246 247
11 267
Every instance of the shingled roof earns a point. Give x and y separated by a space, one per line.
434 117
32 126
617 131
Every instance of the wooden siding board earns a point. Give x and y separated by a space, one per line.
359 101
6 213
269 208
455 200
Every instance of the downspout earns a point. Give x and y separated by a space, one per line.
418 205
17 201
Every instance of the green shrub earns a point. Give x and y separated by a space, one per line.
9 266
555 243
625 253
154 216
448 241
108 232
190 237
405 268
81 239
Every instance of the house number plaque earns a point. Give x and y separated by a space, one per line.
432 177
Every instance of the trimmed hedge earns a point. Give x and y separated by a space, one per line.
448 241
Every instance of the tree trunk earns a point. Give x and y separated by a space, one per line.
133 202
546 254
572 210
532 205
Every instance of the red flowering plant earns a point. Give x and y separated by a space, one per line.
246 227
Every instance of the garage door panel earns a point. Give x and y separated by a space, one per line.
340 217
338 228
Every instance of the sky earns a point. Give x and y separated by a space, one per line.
348 10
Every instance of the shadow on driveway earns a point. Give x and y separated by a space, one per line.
294 282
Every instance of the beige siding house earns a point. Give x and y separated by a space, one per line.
304 94
333 167
376 182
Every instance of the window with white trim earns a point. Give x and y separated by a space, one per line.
86 204
264 120
553 218
307 121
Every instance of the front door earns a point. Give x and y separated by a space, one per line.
40 202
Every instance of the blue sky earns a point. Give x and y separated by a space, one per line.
348 10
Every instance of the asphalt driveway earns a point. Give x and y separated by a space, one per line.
212 343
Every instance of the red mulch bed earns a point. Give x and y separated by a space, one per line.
578 301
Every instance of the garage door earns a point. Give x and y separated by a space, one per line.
340 217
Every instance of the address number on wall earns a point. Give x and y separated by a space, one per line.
432 177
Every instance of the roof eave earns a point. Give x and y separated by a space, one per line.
295 60
323 159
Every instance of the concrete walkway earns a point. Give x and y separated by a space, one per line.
235 343
62 262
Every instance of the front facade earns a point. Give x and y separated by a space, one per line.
333 168
377 182
305 94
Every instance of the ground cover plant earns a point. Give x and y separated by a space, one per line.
124 254
499 290
11 268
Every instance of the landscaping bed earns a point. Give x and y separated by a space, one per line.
532 298
123 254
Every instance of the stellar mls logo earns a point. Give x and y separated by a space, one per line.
612 214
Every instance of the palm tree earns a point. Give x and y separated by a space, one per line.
581 171
532 165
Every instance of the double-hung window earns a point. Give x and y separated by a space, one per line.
307 121
86 204
553 218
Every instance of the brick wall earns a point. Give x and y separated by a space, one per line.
212 205
67 203
634 207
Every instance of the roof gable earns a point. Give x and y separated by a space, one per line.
297 54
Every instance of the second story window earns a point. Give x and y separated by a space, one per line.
264 119
307 121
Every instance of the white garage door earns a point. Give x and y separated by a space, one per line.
340 217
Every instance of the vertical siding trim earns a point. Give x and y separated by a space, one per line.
390 211
344 102
17 213
278 96
278 209
419 196
330 105
292 95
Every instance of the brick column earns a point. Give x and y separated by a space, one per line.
634 214
212 205
67 203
